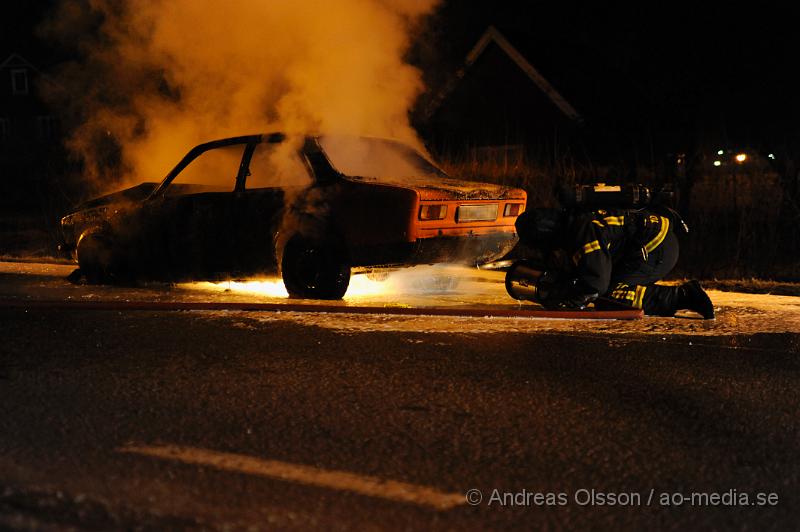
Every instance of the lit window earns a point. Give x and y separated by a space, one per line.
19 81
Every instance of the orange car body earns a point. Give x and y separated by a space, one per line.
363 204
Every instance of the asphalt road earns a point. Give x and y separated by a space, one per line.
234 420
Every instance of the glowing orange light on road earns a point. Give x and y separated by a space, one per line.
360 286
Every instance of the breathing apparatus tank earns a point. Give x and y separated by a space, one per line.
602 196
630 196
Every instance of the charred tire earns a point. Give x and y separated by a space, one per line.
313 269
378 276
95 258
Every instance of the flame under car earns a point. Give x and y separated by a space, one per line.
314 209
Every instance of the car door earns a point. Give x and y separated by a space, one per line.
274 176
197 214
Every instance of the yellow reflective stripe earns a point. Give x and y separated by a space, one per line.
630 295
598 223
623 292
614 220
662 233
623 295
592 246
637 301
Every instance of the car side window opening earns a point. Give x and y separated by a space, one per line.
276 166
214 170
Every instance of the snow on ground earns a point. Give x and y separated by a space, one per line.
437 286
736 314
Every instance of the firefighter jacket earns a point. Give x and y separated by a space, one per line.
599 240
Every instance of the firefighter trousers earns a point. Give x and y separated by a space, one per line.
633 281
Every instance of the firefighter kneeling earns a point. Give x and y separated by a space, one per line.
611 258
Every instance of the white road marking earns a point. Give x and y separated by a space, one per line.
303 474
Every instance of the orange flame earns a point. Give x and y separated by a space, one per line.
360 286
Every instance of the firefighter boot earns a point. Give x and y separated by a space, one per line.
691 296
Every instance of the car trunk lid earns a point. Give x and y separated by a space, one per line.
446 188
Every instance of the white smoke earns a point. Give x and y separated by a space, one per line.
161 76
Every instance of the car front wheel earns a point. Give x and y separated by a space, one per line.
94 252
313 269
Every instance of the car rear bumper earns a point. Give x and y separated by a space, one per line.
473 249
468 249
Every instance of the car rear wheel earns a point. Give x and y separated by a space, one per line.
378 276
313 269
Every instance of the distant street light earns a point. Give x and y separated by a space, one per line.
741 157
717 163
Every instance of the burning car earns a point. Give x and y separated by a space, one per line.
315 209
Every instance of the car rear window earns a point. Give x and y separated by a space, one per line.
377 159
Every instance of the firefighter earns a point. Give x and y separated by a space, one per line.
612 258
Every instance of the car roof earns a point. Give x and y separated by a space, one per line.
275 137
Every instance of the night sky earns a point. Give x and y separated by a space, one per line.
710 74
705 74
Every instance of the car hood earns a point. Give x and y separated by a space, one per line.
132 194
446 188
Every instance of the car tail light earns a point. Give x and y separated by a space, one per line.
432 212
512 209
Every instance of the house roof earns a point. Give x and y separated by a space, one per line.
492 34
16 61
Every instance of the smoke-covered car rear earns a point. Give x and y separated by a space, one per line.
316 209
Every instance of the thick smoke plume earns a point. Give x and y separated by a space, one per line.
159 76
